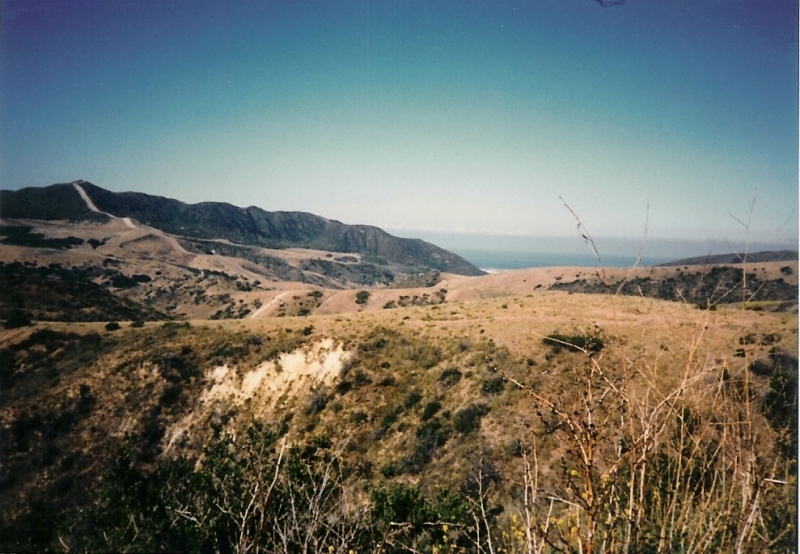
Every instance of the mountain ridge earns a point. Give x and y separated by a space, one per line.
737 258
255 226
251 226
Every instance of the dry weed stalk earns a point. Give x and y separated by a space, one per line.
653 466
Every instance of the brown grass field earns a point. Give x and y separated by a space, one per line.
556 421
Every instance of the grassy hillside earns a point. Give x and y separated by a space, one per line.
56 293
515 421
706 286
55 202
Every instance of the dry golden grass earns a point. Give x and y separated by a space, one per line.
487 327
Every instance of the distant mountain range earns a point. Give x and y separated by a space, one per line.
738 258
250 226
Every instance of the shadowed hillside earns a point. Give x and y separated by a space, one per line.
738 258
254 226
60 201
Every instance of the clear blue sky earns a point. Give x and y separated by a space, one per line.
444 116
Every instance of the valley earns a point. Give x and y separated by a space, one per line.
163 392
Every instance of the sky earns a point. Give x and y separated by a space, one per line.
672 120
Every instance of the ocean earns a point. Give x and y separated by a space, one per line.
498 260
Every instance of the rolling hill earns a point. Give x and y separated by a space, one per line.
189 378
250 226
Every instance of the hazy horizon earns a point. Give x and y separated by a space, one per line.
664 120
613 251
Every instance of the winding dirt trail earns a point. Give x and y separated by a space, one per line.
259 311
89 204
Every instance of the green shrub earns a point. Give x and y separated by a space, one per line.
412 399
450 376
430 410
494 385
589 343
431 435
469 419
318 400
17 318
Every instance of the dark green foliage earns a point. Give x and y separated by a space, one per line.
770 339
112 326
494 385
424 354
249 489
59 201
17 318
391 416
705 288
34 530
8 367
55 293
19 235
344 386
517 448
400 503
318 400
48 353
431 435
450 376
780 403
749 338
361 297
95 244
179 366
386 348
130 512
170 395
430 410
588 343
121 281
469 419
412 399
415 522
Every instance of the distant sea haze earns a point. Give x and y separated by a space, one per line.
498 260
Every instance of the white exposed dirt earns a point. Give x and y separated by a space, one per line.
266 385
269 304
82 192
89 204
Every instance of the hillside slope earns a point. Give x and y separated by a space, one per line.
415 427
257 227
248 227
55 202
738 258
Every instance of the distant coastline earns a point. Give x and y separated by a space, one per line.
493 261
